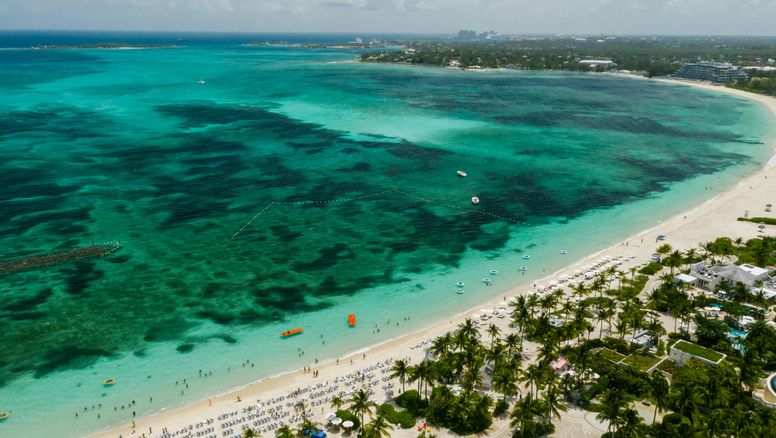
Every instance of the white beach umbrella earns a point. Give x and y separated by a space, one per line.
336 421
330 416
347 424
476 316
502 304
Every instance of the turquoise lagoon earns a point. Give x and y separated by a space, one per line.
127 145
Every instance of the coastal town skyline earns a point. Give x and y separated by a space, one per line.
651 17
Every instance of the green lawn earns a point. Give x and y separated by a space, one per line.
611 355
667 365
642 361
699 351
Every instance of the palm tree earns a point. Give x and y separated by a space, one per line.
621 326
580 290
690 256
659 390
468 328
533 376
302 406
495 354
249 433
307 426
424 373
554 403
472 378
441 345
493 331
337 402
612 406
400 371
655 327
547 303
511 341
598 285
504 382
632 424
284 431
674 260
378 428
663 250
521 315
610 272
601 316
361 405
523 415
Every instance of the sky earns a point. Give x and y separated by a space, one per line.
717 17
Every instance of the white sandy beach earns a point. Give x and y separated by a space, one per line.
705 222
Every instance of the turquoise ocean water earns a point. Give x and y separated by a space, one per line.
127 145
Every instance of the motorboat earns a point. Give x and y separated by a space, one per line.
461 173
475 200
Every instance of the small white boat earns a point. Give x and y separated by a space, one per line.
461 173
475 200
526 257
563 251
493 272
460 291
486 280
201 82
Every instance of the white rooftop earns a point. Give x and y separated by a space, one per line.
684 278
754 270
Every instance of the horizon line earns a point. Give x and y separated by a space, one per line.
356 33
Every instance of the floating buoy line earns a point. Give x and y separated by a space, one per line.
445 204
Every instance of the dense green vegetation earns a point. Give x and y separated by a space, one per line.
759 220
651 269
759 82
477 374
653 56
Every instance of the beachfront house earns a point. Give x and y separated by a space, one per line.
685 279
596 63
682 351
561 365
710 277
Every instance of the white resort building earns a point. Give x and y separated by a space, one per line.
756 279
719 72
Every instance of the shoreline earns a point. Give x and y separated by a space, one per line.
707 220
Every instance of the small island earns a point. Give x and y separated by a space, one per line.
103 46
